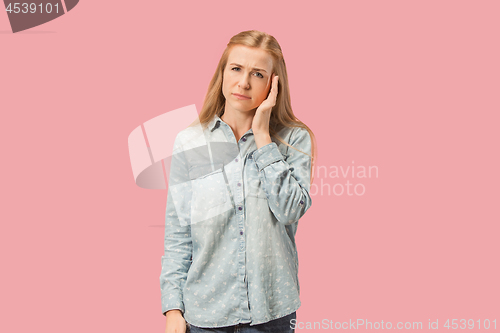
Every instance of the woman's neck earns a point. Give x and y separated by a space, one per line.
240 122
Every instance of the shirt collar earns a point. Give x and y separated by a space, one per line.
214 123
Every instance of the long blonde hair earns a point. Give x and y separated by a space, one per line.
281 114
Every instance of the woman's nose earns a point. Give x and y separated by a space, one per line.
244 82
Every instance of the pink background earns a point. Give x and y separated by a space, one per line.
409 87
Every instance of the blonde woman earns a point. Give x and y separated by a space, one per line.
239 183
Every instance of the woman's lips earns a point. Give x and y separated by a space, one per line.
238 96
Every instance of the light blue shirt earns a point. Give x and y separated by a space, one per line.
232 214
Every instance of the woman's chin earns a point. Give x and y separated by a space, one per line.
244 109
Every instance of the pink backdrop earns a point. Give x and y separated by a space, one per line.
409 87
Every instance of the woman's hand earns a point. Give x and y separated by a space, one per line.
260 123
175 322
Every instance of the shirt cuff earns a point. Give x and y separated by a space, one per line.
266 155
173 303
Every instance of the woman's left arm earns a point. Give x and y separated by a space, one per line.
286 181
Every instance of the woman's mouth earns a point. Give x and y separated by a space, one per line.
238 96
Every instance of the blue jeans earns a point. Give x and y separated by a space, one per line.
280 325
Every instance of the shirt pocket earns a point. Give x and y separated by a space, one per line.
209 191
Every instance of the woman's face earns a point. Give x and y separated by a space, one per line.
246 78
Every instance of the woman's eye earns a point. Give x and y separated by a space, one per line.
259 75
235 68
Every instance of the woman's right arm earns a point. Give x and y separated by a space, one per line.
178 248
175 322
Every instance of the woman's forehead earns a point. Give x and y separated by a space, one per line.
251 57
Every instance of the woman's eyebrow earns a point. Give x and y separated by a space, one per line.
255 68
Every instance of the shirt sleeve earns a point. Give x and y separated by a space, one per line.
286 180
178 249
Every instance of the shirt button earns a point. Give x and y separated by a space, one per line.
239 184
240 208
241 232
244 139
301 202
236 160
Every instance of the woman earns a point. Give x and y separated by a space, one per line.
239 182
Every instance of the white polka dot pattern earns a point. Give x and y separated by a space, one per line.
230 254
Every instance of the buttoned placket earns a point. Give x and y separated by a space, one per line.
238 195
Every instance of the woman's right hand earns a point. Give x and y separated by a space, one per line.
175 322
